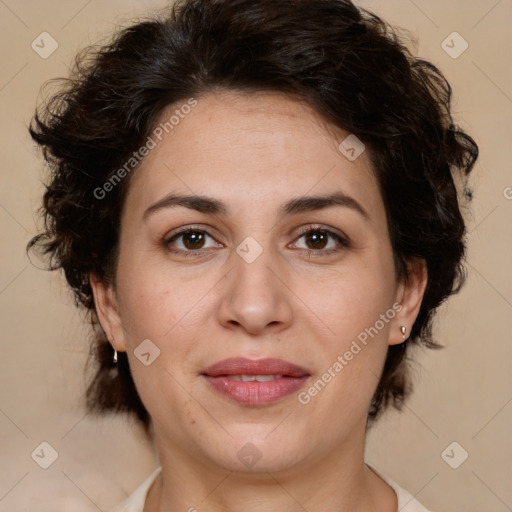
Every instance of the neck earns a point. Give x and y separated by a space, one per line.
338 482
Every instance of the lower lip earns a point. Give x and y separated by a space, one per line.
256 393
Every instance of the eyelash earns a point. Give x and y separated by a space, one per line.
342 241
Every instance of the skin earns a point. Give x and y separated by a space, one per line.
255 152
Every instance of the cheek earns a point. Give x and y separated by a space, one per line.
151 309
153 297
353 312
348 301
160 305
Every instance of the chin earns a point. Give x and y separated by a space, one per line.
257 449
252 461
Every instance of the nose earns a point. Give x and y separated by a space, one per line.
256 297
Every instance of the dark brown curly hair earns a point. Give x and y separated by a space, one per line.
354 69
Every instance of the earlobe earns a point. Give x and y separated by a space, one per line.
409 296
107 311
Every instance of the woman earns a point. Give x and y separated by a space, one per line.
254 201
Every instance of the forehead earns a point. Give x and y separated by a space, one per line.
255 148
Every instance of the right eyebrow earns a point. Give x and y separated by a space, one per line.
202 204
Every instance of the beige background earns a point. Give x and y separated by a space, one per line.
463 393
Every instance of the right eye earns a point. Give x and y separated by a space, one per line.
189 240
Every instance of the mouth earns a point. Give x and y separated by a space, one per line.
252 378
255 382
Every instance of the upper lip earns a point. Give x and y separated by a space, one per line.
244 366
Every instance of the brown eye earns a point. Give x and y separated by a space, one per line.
321 241
193 240
189 240
316 239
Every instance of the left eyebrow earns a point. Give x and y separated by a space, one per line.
297 205
312 203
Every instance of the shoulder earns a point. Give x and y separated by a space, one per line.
406 501
135 502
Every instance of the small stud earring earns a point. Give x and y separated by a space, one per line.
403 329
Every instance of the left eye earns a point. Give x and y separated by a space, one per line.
321 240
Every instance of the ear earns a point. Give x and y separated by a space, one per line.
409 295
108 311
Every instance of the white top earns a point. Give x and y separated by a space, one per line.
135 502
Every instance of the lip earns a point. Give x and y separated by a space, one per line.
244 366
255 393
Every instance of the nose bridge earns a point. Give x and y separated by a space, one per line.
252 261
255 298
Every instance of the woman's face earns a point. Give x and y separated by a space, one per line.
288 258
